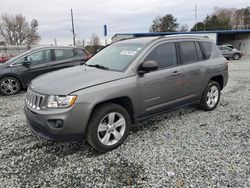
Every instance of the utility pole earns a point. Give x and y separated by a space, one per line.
195 17
73 28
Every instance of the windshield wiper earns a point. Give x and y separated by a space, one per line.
98 66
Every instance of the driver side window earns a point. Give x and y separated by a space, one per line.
164 55
39 57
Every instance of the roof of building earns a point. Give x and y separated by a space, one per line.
191 32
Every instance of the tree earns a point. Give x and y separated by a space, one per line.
242 18
94 44
213 22
15 30
167 23
183 28
225 19
199 26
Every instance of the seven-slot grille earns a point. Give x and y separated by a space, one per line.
34 100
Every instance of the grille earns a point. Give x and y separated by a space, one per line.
34 100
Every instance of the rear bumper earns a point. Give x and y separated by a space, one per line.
38 123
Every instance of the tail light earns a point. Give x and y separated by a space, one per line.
86 58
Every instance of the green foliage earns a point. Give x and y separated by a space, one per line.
211 23
225 19
166 23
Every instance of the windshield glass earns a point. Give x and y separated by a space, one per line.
18 56
117 56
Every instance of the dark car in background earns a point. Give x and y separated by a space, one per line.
17 73
230 52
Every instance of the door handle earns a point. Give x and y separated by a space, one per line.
175 73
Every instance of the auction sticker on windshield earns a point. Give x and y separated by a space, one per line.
125 52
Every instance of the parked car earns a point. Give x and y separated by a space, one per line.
125 83
3 59
17 73
229 52
229 45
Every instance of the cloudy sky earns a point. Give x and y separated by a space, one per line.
121 16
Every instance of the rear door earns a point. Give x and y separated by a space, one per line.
63 58
190 80
40 64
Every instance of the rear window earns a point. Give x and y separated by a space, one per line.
198 50
80 53
63 53
207 49
188 52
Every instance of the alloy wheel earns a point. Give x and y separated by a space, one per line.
111 128
212 96
9 86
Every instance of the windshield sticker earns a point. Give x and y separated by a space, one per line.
125 52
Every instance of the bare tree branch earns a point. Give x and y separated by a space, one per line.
15 30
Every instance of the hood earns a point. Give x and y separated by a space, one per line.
235 50
4 65
66 81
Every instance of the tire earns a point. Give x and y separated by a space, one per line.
236 56
10 86
210 97
104 133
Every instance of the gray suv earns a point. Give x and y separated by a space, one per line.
124 83
229 52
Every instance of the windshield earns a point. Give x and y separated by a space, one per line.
117 56
18 56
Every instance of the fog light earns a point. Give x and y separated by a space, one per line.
56 123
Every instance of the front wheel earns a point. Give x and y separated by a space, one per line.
108 127
236 56
10 86
211 96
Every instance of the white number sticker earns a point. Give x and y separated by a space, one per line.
124 52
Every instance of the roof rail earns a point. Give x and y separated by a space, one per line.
187 35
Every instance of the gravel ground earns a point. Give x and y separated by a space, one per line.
182 148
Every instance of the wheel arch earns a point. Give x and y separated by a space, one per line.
219 79
14 76
124 101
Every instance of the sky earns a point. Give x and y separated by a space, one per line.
121 16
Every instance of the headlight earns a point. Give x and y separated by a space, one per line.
56 101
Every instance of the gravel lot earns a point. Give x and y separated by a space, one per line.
182 148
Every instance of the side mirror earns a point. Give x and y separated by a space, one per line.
26 63
148 66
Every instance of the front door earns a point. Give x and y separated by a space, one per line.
40 64
159 88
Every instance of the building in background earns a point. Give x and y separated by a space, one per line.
240 39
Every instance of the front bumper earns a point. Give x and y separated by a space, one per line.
73 124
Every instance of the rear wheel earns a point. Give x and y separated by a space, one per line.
10 86
108 127
211 96
236 56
